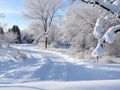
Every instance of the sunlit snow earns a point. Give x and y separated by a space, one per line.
48 70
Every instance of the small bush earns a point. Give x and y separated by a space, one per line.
107 59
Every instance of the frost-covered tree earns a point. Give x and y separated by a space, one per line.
9 37
1 36
113 6
54 35
26 37
44 11
78 26
15 29
32 34
6 38
4 26
37 32
1 30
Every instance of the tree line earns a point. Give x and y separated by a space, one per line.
13 35
76 29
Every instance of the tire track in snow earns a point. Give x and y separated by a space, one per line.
46 65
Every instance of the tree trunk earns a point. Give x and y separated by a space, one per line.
46 42
97 59
83 52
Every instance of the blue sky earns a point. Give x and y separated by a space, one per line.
13 13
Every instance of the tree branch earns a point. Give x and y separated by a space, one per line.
103 6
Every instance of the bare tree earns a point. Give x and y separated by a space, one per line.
44 11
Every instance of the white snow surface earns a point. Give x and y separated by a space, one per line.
48 70
55 85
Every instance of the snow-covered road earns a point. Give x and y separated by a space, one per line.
47 65
43 65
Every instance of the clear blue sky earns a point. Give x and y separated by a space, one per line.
13 13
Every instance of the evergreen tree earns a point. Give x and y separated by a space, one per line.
1 36
1 30
9 30
15 29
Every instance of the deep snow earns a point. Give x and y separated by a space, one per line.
51 68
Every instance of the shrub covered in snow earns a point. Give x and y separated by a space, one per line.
12 54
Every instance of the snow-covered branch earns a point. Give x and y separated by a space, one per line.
98 29
113 7
108 37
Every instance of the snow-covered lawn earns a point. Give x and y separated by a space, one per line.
34 69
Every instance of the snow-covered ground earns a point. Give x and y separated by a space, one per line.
54 85
26 68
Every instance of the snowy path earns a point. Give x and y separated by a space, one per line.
43 69
42 65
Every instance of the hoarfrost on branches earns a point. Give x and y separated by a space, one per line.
109 5
44 11
113 9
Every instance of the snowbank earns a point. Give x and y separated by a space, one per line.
53 85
